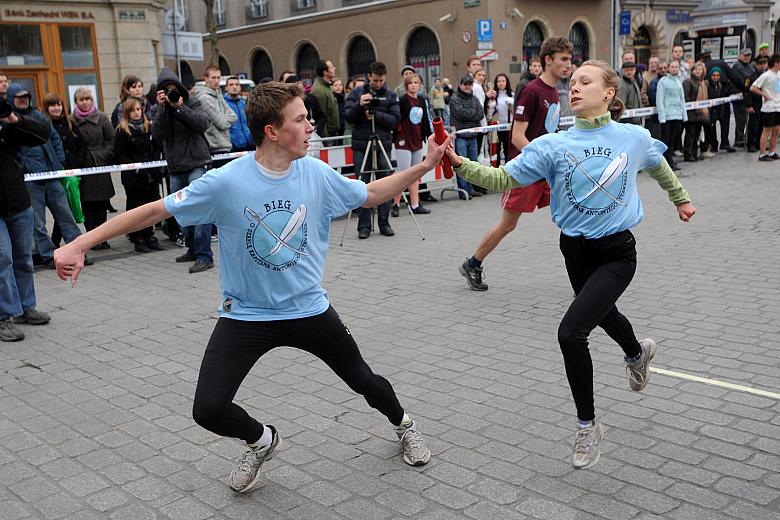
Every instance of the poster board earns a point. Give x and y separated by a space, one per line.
92 88
731 49
689 49
711 45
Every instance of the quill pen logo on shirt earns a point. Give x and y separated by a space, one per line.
596 184
278 239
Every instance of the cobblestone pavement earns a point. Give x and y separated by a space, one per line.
95 407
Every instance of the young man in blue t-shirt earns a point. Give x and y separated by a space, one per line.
273 210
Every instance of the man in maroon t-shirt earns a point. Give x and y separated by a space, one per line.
536 113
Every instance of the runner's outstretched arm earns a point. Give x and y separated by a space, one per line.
69 259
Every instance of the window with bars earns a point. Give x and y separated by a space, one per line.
220 16
299 5
532 42
359 56
422 53
578 35
257 9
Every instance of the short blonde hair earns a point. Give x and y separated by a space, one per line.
82 93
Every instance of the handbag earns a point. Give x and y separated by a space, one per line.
701 95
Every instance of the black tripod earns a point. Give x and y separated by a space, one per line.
372 150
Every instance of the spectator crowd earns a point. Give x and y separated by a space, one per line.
187 125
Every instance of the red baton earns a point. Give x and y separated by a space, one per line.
440 135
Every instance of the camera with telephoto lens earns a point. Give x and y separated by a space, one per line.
172 95
5 108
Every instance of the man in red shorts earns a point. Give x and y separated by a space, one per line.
536 113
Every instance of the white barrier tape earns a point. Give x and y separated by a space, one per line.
564 121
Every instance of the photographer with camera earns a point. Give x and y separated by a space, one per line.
17 292
180 125
373 111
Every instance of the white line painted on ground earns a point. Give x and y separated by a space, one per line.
715 382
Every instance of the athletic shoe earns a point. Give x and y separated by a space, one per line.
416 453
141 247
708 155
9 331
586 446
180 241
32 316
677 153
246 475
765 158
420 210
473 276
638 373
774 156
394 210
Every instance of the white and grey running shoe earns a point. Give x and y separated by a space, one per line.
638 373
416 452
246 475
586 446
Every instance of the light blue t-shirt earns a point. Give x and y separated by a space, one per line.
592 175
273 233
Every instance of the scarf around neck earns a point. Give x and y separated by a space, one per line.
80 114
136 125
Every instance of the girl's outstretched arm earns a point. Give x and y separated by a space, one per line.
669 182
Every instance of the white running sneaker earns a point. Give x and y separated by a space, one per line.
246 475
586 446
638 371
416 452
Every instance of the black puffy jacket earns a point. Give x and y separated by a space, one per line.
387 115
29 131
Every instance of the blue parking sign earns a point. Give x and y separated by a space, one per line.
484 30
625 22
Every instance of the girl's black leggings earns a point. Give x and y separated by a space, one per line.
599 271
236 345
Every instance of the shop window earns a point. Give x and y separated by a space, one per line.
422 53
533 36
76 45
359 56
261 66
21 45
750 40
578 35
642 44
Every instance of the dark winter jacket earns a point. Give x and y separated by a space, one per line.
240 136
754 100
628 92
29 132
40 158
691 90
182 130
727 75
465 112
387 115
137 146
316 114
98 136
716 90
744 73
72 143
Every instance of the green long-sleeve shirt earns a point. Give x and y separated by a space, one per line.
499 179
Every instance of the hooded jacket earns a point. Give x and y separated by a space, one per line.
28 132
465 112
182 130
220 116
38 158
240 136
330 106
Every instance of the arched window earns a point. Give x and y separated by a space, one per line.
224 66
422 53
306 63
750 40
578 35
360 55
261 66
187 78
642 43
532 42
